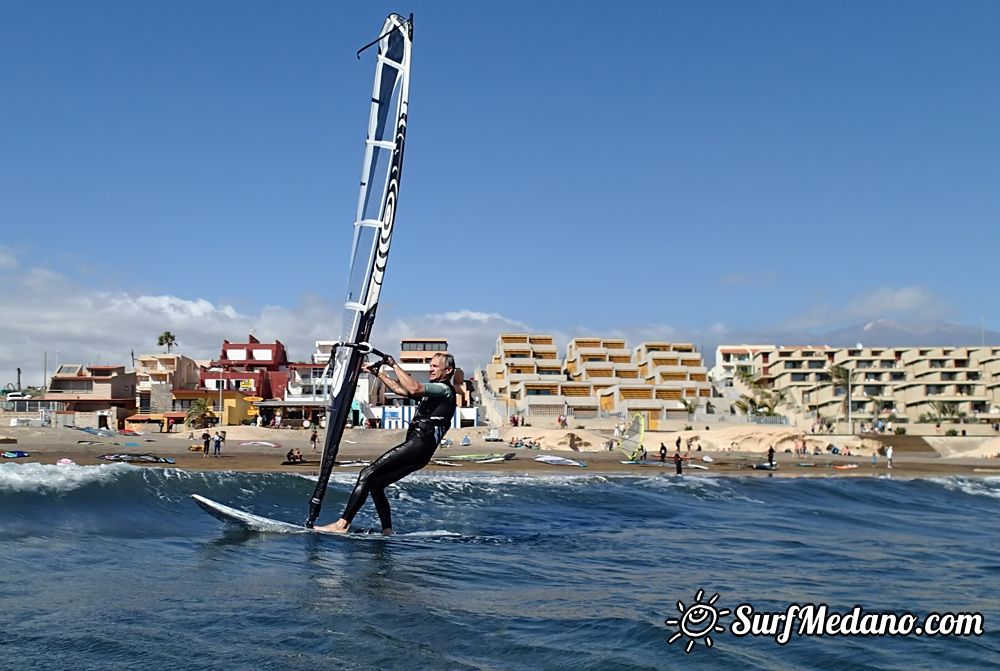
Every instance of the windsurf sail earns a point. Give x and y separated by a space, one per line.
373 224
631 440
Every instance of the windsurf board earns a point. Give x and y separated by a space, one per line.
252 522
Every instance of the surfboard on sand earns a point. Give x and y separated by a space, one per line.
260 443
482 458
253 522
558 461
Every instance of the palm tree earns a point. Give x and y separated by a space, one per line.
843 377
689 406
769 402
748 405
199 412
167 338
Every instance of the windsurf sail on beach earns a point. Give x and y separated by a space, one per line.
380 178
631 440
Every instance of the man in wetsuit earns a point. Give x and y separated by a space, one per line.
428 426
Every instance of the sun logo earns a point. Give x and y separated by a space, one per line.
699 620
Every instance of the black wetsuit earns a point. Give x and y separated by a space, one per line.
430 422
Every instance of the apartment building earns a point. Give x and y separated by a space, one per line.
902 383
731 360
599 376
96 396
158 376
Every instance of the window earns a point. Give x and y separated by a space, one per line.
537 392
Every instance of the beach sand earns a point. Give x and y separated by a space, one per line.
733 451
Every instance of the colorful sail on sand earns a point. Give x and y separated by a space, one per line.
630 442
373 224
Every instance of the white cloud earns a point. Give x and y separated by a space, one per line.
914 303
471 335
44 311
7 259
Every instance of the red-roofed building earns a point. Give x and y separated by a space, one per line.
243 374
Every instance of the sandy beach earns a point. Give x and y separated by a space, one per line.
731 451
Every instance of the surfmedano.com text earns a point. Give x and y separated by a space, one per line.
817 620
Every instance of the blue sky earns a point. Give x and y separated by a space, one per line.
662 170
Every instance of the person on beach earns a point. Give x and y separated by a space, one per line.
313 438
207 440
218 444
663 453
770 456
427 428
678 461
888 455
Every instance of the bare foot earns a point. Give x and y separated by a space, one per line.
388 531
338 527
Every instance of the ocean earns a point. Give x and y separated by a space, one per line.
115 567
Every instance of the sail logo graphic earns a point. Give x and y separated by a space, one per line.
698 621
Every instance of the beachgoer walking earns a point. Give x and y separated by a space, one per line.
427 428
888 455
770 456
218 444
663 453
207 440
313 438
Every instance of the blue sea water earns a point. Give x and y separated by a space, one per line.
115 567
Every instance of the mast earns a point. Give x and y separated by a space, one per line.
377 200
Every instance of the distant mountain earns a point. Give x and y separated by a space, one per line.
879 333
893 333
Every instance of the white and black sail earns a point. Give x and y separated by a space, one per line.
377 201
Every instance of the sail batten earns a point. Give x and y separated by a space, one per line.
373 225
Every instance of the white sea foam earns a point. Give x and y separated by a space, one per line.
52 477
973 486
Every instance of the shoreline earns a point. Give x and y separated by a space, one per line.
47 446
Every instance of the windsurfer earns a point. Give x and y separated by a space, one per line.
428 426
